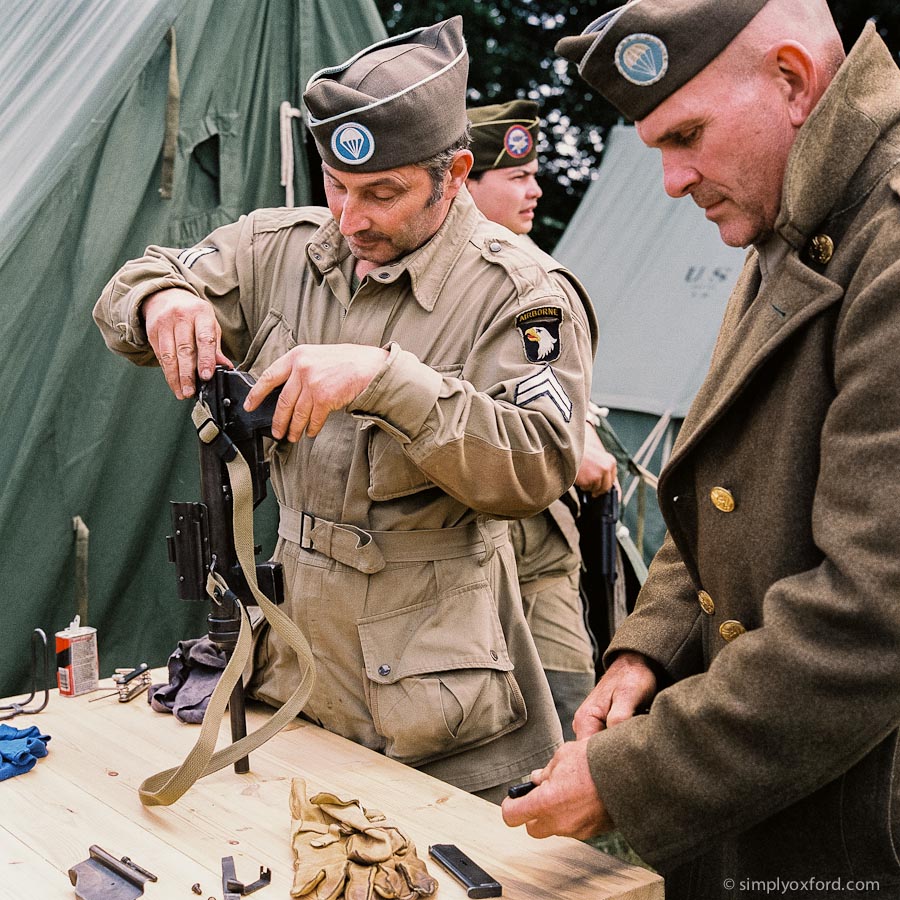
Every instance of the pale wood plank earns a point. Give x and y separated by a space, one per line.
85 792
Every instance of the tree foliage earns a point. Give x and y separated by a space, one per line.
511 55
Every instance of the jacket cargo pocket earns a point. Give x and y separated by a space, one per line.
391 472
439 676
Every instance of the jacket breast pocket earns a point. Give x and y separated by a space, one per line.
273 339
439 679
392 473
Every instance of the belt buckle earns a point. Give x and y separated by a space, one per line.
307 523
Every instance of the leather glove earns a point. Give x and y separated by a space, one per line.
366 855
319 847
404 876
399 872
368 841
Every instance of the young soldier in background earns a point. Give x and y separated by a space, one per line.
503 183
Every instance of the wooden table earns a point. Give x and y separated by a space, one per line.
85 792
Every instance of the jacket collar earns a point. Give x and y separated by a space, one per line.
428 267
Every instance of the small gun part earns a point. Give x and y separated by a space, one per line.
476 881
520 790
232 888
103 877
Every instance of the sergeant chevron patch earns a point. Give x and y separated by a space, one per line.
188 257
544 384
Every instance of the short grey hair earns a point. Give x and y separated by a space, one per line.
438 165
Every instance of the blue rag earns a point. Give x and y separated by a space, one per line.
20 749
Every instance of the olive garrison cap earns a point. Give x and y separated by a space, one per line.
640 53
504 134
397 102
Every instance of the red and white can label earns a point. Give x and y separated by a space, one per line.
77 666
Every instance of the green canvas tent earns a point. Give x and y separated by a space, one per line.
659 277
124 123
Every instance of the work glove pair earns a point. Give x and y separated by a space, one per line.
342 850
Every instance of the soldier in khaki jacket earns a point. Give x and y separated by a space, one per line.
765 640
503 183
412 418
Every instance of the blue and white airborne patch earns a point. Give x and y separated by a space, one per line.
642 59
188 257
544 384
353 143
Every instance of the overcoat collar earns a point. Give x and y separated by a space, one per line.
858 106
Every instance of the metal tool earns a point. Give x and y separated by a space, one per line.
232 888
38 646
129 683
103 877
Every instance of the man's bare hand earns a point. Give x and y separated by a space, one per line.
598 470
185 336
627 686
565 800
318 379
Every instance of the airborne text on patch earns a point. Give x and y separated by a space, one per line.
540 333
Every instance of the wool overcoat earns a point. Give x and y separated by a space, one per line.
772 611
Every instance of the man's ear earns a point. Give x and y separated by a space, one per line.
794 69
458 172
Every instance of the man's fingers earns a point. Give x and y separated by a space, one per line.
282 419
590 717
300 418
164 348
186 355
277 373
223 360
206 338
316 419
522 810
623 708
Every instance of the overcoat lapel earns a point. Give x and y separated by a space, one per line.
753 329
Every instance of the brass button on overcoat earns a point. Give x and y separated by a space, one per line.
722 499
821 249
706 602
731 629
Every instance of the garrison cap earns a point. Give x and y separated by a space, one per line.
640 53
397 102
504 134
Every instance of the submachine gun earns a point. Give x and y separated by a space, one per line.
203 540
597 524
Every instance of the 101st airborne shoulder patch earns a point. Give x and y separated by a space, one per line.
540 333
